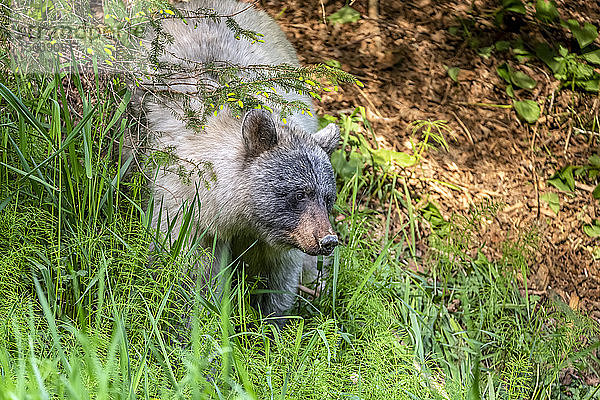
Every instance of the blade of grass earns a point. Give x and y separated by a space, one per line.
49 315
22 110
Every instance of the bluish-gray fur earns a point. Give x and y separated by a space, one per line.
274 184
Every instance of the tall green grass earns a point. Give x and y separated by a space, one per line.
93 305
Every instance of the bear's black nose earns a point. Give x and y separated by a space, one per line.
327 244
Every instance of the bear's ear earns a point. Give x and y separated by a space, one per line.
328 138
259 132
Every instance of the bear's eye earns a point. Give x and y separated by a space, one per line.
299 196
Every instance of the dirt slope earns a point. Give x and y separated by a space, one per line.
400 56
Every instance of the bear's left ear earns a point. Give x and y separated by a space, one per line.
259 132
328 138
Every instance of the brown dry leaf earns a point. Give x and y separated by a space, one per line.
541 277
574 302
454 306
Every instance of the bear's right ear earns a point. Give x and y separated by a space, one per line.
259 132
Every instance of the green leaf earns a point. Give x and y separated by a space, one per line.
326 120
403 159
563 179
347 168
519 48
579 172
592 231
591 85
528 110
567 174
584 35
545 10
552 200
502 45
523 59
453 73
515 77
514 6
485 52
592 56
503 72
432 214
510 91
596 192
559 184
499 16
548 55
385 157
344 15
595 161
562 51
521 79
334 63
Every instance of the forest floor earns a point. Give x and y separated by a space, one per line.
401 57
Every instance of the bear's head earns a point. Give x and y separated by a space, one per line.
292 186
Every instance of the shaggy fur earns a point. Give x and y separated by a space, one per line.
273 185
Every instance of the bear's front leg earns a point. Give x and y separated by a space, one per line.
279 287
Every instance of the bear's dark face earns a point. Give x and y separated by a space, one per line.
294 181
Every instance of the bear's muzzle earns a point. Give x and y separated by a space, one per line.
314 234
